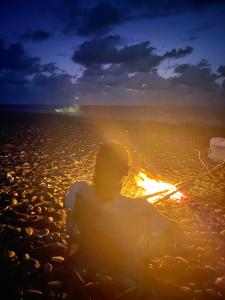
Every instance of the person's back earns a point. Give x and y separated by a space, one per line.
104 228
97 247
116 232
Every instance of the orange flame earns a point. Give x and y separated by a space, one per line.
152 185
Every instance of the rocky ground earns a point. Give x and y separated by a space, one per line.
40 156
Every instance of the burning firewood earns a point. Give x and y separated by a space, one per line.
164 190
158 187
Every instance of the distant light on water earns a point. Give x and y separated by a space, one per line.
72 110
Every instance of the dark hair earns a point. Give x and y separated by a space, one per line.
111 165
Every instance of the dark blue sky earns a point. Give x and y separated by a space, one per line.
112 52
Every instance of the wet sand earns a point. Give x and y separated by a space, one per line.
41 155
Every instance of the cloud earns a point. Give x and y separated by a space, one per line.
35 36
98 51
193 84
222 90
200 75
98 18
129 73
140 57
178 53
113 73
15 58
13 78
102 16
50 68
203 63
111 86
41 89
221 70
118 76
24 79
55 89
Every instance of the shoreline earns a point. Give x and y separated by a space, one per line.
189 114
45 118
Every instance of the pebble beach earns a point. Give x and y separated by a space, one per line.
42 155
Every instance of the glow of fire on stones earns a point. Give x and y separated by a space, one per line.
153 185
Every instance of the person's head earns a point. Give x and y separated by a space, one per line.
111 167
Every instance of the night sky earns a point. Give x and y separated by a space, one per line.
112 52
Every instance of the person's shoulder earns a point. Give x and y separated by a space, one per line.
72 191
85 183
78 184
73 188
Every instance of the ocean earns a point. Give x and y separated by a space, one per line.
210 114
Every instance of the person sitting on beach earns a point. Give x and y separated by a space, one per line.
116 233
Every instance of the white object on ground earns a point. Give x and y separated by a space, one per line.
217 149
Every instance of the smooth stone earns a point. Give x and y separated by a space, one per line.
57 234
36 264
29 231
222 233
50 219
32 264
212 294
11 254
34 198
26 256
220 282
183 260
58 259
14 201
29 208
39 210
211 271
64 242
32 294
54 284
48 268
198 292
42 233
10 178
186 289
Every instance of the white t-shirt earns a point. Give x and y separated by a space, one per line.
134 224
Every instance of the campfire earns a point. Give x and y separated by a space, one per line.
154 189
